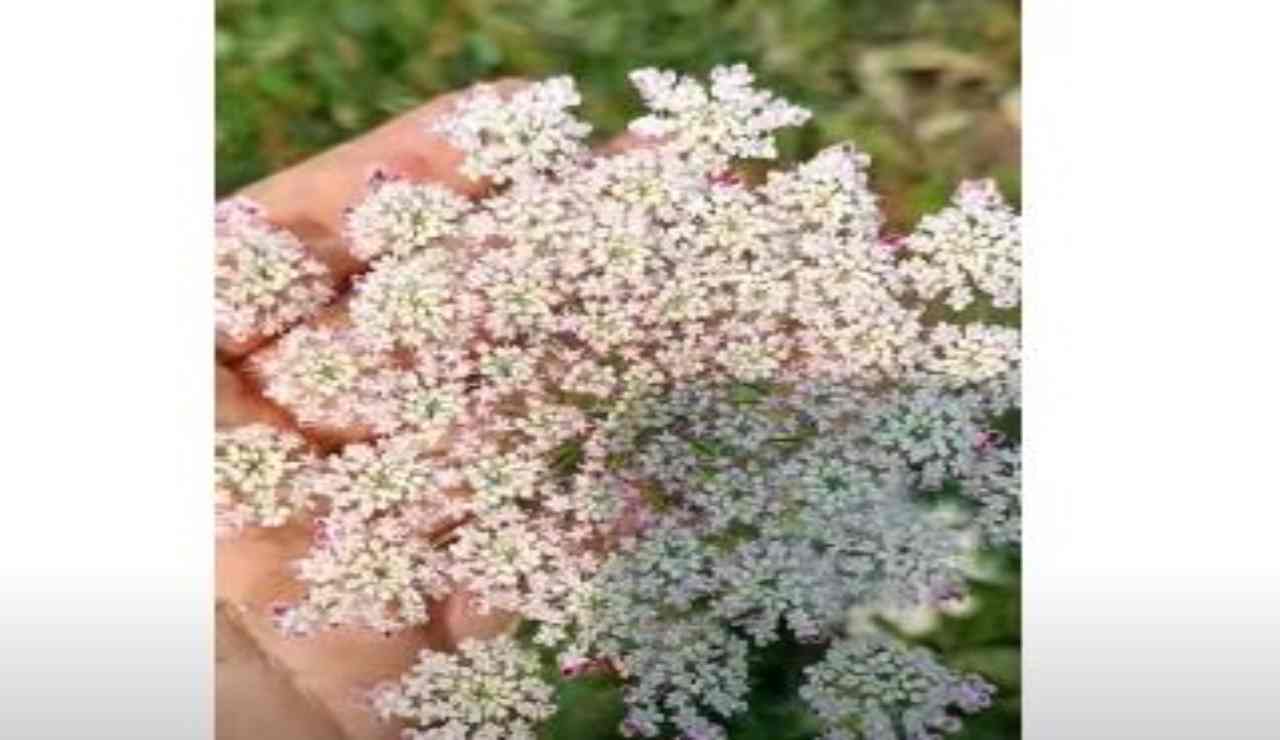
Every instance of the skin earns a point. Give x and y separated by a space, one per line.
314 687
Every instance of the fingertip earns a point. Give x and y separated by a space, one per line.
254 698
310 198
237 403
254 569
336 663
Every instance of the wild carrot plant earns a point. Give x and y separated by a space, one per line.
660 414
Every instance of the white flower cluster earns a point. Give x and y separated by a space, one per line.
530 135
691 664
408 304
984 359
264 279
373 562
871 688
934 432
325 376
256 469
995 484
731 120
977 242
936 435
662 414
400 217
488 690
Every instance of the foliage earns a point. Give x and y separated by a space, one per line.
927 87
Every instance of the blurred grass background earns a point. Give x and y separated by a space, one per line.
929 88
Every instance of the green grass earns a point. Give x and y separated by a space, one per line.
924 86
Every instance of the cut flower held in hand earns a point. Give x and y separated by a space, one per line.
651 416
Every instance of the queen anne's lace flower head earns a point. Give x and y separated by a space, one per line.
374 561
976 242
682 674
400 217
324 377
935 433
977 356
731 120
826 201
661 414
869 688
256 472
428 409
488 690
527 135
264 279
409 305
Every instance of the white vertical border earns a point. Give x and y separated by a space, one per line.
105 535
1152 603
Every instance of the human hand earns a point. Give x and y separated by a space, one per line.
315 686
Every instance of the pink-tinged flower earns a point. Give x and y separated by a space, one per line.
661 414
257 473
400 218
265 280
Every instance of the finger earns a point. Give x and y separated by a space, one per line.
309 198
302 687
305 687
254 698
327 435
338 668
255 571
269 371
237 403
307 202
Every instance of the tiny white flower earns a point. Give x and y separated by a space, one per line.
264 278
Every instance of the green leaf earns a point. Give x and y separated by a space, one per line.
1001 665
587 708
